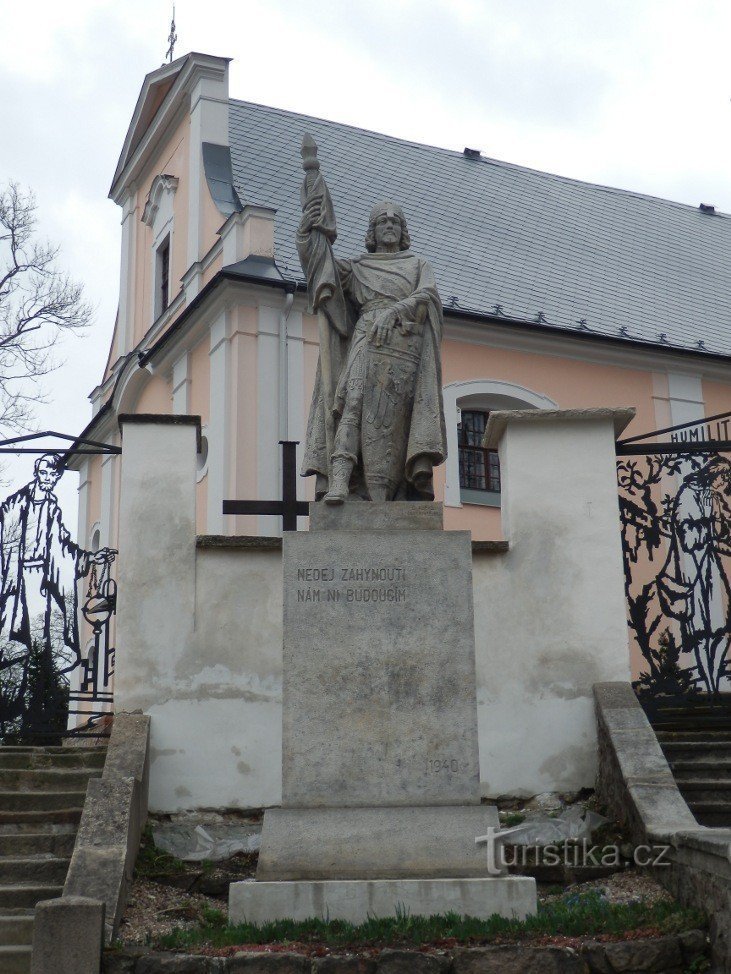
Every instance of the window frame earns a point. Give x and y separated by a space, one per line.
471 493
162 276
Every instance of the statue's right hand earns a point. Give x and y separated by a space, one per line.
310 214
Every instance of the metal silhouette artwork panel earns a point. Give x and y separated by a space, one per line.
675 512
48 687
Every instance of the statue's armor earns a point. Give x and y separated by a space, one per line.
379 398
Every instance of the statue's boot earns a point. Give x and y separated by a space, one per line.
339 482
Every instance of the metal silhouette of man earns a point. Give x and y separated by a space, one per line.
693 585
41 565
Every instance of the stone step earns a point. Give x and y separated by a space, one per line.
714 814
15 959
37 844
25 896
47 779
687 769
65 757
16 928
705 725
14 822
40 801
704 789
689 748
44 871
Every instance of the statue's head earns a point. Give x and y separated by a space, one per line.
47 470
387 229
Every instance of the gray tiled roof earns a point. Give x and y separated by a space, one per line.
499 234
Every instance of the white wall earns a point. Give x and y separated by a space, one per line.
549 622
550 617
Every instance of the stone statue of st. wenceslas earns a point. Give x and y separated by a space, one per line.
376 425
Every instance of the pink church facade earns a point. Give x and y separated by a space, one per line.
213 321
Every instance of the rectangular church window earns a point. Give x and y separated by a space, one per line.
163 276
479 469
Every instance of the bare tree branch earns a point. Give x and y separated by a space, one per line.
38 303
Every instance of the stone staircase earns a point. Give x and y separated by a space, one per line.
697 744
42 792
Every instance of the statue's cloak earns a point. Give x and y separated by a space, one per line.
405 283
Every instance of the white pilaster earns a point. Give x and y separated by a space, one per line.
106 527
296 417
181 385
268 453
685 395
208 123
218 426
125 318
82 532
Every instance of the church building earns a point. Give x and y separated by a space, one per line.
556 293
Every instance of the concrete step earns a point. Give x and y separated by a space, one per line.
37 825
39 820
62 757
15 959
16 927
689 748
37 844
699 725
714 814
704 789
40 801
25 896
46 871
47 779
687 769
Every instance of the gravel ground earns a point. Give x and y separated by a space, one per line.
629 886
154 910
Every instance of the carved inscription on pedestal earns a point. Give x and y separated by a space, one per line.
379 679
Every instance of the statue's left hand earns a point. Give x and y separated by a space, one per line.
382 327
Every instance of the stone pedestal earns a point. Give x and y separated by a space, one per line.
380 780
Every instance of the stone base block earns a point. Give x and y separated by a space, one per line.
357 900
356 515
423 842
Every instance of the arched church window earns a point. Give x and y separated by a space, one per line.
479 469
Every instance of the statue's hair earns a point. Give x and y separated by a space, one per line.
52 459
370 239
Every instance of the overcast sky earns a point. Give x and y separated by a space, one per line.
631 93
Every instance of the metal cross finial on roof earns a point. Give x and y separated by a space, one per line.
172 38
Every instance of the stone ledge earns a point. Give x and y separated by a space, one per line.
665 955
114 813
254 542
375 844
355 901
498 421
250 542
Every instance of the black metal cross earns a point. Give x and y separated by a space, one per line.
289 508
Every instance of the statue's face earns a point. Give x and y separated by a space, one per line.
388 232
46 476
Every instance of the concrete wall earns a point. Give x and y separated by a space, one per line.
200 625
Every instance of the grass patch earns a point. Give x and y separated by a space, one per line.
585 915
512 819
152 861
